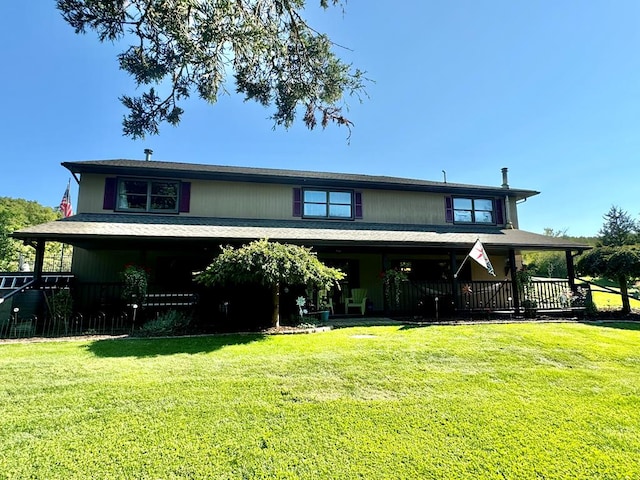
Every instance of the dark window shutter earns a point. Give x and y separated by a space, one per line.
297 202
448 209
110 192
500 211
358 202
185 197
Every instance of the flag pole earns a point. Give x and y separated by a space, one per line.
455 275
62 244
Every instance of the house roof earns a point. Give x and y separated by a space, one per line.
271 175
85 228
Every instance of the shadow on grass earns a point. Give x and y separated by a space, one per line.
153 347
620 324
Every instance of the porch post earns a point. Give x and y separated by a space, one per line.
385 266
37 268
571 271
514 281
454 280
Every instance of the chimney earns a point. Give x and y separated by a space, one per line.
505 177
148 152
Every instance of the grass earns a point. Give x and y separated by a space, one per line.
473 401
606 300
610 301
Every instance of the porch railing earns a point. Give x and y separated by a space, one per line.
98 308
429 299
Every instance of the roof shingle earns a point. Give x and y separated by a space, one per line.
123 226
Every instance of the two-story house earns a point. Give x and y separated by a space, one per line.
172 218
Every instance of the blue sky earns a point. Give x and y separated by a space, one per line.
549 89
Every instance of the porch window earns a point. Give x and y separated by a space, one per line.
148 195
327 203
473 210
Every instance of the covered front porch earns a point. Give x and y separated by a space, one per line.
173 248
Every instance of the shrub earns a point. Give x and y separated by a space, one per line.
135 283
60 304
171 322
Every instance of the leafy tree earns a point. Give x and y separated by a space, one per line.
5 240
550 232
617 263
17 213
189 46
614 258
618 228
273 265
546 264
552 264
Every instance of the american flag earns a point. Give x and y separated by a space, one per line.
65 204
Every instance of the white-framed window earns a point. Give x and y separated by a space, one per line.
142 195
473 210
317 203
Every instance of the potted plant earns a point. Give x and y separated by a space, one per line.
324 308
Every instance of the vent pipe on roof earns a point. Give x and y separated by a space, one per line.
507 200
505 177
147 154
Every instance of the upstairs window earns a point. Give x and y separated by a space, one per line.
327 204
148 195
473 210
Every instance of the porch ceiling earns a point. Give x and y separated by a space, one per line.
89 229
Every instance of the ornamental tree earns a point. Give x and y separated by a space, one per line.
186 47
273 265
619 264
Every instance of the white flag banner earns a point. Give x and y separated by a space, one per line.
479 255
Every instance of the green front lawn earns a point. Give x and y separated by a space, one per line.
514 401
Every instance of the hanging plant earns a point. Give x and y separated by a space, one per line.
523 280
392 280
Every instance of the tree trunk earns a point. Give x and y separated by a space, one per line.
624 293
275 295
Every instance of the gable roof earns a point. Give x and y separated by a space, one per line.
271 175
86 228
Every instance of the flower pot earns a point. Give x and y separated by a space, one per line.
324 316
